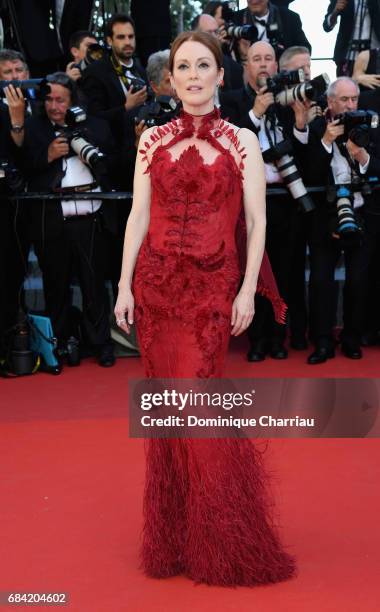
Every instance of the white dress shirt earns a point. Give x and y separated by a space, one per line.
342 172
272 175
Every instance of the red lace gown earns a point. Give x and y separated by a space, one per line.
206 511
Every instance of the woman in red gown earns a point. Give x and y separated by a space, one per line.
206 511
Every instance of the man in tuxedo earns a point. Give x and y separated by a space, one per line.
277 25
108 83
253 107
359 29
70 234
339 162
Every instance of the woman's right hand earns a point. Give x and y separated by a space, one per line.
124 309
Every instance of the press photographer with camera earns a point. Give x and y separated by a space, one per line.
359 30
14 239
338 156
79 45
279 26
282 133
69 153
116 84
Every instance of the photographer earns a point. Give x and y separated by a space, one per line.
279 26
71 233
79 44
359 30
276 126
109 83
14 241
340 224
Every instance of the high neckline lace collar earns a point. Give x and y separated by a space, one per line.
201 124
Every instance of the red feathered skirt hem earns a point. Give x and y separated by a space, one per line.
208 515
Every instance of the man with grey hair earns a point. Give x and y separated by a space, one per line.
157 71
336 160
295 58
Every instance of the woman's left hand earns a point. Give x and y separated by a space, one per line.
243 309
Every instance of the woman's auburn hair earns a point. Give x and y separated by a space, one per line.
208 40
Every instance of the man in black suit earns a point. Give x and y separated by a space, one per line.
253 107
279 26
107 83
70 234
338 161
359 29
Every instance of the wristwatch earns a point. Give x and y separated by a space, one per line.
17 129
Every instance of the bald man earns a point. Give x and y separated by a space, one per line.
253 107
233 72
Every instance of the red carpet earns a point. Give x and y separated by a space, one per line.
71 486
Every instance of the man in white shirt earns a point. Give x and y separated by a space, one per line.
69 235
253 107
338 161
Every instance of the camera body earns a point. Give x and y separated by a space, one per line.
283 80
311 90
159 112
245 32
76 135
32 89
357 126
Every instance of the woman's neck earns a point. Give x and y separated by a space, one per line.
198 112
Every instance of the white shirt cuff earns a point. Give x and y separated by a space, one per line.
255 120
301 135
363 169
327 148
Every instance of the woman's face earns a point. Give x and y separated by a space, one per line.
195 74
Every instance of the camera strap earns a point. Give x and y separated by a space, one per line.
118 68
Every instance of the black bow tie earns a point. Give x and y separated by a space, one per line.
260 21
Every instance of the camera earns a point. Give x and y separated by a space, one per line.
94 53
13 179
348 228
75 133
311 90
357 126
247 32
32 89
284 79
157 113
281 155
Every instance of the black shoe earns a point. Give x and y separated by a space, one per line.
73 352
258 351
352 351
298 343
106 357
320 355
278 351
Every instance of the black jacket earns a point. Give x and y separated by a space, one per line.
346 26
289 25
46 218
104 93
235 107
